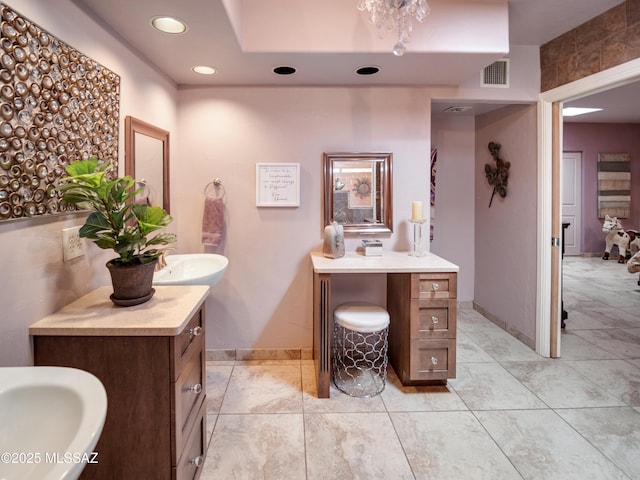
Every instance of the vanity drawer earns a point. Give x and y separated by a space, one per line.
188 394
433 285
432 319
191 461
433 359
189 339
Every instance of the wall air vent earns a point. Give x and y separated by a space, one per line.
496 74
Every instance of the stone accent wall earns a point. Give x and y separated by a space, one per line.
605 41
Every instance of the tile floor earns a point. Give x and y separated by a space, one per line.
509 414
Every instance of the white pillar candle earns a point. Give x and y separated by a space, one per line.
416 211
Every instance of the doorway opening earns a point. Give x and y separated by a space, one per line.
548 319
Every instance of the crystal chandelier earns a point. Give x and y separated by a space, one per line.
395 15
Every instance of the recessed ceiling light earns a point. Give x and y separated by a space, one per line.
169 25
573 111
368 70
284 70
204 70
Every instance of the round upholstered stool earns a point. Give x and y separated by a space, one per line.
360 348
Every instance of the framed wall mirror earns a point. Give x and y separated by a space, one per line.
357 191
146 158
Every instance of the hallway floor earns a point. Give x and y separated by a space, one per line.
509 414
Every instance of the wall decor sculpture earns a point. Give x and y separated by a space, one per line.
56 106
498 174
614 185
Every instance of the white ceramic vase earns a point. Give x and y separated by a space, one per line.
333 241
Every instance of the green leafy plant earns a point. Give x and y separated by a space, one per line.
116 221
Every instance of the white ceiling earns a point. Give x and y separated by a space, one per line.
211 41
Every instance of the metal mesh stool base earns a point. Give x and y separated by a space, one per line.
359 361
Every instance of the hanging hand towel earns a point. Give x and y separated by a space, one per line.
212 221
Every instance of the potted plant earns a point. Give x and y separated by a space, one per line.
116 222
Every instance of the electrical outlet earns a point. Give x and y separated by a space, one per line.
72 244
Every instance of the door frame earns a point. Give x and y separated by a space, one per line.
549 200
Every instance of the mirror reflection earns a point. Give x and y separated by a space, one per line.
357 191
147 160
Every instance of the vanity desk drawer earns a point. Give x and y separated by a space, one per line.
433 359
191 462
191 338
188 395
433 285
432 318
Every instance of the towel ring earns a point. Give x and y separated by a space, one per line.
217 187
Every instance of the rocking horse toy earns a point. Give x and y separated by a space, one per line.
633 266
615 236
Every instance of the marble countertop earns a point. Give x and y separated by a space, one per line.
389 262
166 314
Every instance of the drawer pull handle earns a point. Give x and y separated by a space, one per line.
196 331
434 361
435 286
434 320
197 388
198 461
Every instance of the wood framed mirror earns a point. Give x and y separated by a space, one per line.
146 158
357 191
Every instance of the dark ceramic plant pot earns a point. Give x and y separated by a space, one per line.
132 284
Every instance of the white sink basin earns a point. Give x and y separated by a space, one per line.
50 421
192 269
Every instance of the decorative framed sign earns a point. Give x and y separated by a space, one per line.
277 184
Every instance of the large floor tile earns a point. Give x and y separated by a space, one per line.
543 447
574 347
560 386
264 389
337 401
501 346
470 320
398 398
353 446
615 341
613 431
488 386
450 445
620 378
467 351
601 318
269 447
217 380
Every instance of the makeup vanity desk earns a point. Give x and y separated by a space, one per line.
421 300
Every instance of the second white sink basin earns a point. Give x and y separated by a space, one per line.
192 269
50 421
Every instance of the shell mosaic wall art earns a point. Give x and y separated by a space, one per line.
56 106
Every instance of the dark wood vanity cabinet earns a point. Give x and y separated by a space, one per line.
155 426
422 331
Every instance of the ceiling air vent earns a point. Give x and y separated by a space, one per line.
496 74
456 109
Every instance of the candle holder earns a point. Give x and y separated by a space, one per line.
416 245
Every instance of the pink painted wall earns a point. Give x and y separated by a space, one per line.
454 233
505 234
591 139
265 298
